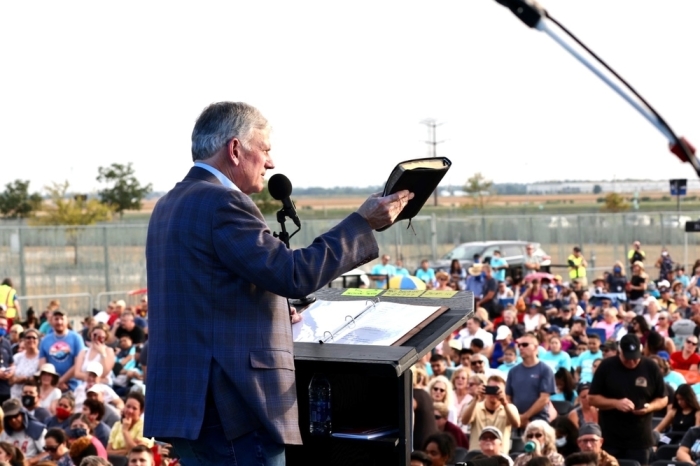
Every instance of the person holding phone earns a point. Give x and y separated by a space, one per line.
97 351
491 408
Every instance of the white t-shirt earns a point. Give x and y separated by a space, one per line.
55 395
24 367
24 442
80 393
466 338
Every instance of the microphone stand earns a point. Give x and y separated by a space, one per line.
284 236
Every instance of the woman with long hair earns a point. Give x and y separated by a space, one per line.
543 436
11 454
96 351
637 287
534 292
583 413
683 413
567 436
460 382
441 390
26 363
565 386
458 275
640 327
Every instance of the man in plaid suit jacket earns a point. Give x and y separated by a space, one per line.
221 384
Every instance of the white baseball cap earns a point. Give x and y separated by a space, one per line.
503 332
95 367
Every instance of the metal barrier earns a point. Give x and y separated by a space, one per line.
127 296
74 316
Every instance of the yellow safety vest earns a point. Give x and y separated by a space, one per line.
580 270
7 297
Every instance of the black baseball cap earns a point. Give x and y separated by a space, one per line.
630 346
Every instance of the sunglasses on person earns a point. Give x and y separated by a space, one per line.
474 363
51 449
523 344
691 342
438 389
534 435
31 338
438 417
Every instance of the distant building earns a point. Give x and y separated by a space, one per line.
568 187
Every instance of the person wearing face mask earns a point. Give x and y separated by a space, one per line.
566 435
665 264
64 409
30 399
55 446
80 428
617 281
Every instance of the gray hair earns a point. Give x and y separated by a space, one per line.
547 430
94 461
222 121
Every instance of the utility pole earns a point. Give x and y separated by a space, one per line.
432 125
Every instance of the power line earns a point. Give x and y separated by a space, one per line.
432 125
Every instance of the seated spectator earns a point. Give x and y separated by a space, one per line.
689 451
556 358
542 435
609 349
63 411
582 459
113 408
509 319
11 454
510 360
476 345
419 458
687 359
425 273
584 412
683 412
440 366
26 362
609 322
534 319
565 318
49 394
576 337
56 445
126 326
91 384
566 436
80 449
672 378
140 455
440 447
441 412
80 429
504 339
491 410
94 411
95 461
22 430
128 433
97 352
491 443
590 440
30 398
584 361
565 390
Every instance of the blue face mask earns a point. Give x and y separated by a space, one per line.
617 270
3 332
77 432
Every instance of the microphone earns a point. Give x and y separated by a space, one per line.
528 11
280 189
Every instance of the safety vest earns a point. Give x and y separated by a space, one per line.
7 297
579 271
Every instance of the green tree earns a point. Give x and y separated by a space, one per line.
615 202
73 212
479 189
597 189
16 202
265 202
124 191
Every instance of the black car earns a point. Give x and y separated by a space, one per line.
512 251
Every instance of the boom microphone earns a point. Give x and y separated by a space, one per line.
280 189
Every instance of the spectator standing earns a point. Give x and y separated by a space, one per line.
637 287
383 268
590 440
441 411
617 280
530 383
440 366
628 390
577 267
424 417
8 298
499 266
60 348
532 261
491 409
636 254
687 359
26 362
475 281
426 273
489 290
665 264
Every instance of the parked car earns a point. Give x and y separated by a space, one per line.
512 251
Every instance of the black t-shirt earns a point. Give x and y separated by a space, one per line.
491 284
555 303
641 385
616 284
136 334
636 280
424 421
561 322
636 256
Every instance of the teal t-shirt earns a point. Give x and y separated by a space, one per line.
557 361
560 397
585 362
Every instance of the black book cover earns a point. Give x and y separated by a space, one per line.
419 176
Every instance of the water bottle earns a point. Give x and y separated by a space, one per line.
530 447
320 406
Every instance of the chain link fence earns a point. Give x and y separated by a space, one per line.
45 261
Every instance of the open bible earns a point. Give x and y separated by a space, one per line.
362 322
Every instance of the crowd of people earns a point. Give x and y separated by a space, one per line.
569 371
74 398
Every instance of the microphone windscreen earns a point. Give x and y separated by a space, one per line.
279 186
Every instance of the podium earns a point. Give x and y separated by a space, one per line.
371 386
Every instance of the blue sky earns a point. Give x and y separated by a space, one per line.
345 85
